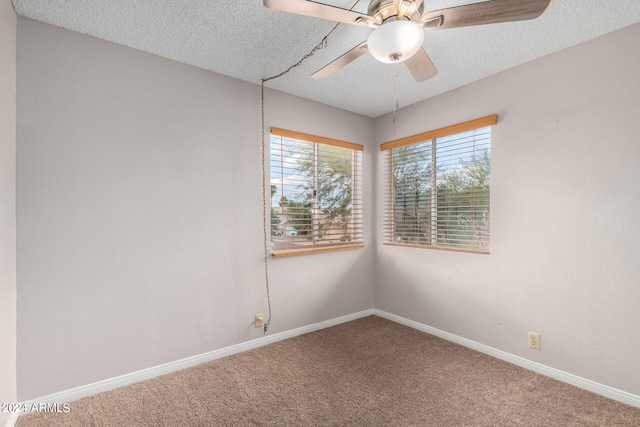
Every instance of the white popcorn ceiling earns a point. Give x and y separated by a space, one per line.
242 39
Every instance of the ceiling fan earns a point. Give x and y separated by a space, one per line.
398 26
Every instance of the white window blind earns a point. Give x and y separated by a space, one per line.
316 193
437 188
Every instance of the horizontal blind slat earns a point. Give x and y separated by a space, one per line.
443 132
314 138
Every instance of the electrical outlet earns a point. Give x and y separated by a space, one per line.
259 320
534 340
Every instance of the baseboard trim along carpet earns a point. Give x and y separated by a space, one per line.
123 380
145 374
583 383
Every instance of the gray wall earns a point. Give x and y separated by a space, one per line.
7 205
140 213
565 203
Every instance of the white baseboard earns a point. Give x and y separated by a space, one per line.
145 374
603 390
13 418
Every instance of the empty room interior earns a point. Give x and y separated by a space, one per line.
144 226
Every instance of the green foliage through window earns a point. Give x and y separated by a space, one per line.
316 197
438 192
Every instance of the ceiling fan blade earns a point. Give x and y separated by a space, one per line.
342 61
317 10
487 12
421 66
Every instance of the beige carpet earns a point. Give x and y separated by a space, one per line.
369 372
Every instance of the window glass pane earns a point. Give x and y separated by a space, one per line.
463 201
316 196
437 192
412 185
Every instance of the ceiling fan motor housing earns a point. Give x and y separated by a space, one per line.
383 10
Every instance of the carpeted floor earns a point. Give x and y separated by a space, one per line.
369 372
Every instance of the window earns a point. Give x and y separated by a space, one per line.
316 193
437 188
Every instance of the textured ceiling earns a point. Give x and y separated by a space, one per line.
244 40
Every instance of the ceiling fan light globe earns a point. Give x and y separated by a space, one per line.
395 41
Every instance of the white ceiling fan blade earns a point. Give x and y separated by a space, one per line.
342 61
317 10
488 12
421 66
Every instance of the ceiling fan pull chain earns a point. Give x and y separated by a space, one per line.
395 95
